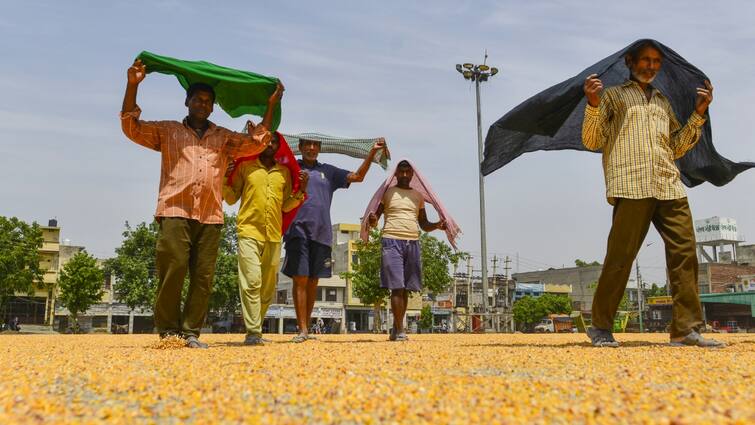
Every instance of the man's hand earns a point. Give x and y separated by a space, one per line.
303 181
372 220
378 146
593 86
137 72
277 95
442 225
704 98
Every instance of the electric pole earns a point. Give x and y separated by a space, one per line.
639 293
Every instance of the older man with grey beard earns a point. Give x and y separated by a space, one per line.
636 129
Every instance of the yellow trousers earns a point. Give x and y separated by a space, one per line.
258 276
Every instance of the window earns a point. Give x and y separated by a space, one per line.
331 295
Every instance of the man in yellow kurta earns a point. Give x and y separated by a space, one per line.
266 192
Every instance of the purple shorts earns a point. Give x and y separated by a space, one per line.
401 267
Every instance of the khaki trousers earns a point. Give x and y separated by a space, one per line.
258 276
184 245
631 220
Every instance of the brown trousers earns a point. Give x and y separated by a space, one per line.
631 220
184 245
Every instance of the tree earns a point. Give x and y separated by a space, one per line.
437 255
530 310
657 291
580 263
224 299
365 275
426 317
80 285
134 266
555 304
19 258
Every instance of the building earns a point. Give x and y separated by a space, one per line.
109 315
581 282
733 312
716 278
528 289
38 308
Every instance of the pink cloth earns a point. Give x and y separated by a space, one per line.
421 185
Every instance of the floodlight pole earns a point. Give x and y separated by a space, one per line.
483 238
480 73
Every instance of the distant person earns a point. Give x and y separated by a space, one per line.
401 260
268 192
637 130
308 240
195 154
15 324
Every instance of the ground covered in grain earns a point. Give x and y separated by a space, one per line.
355 379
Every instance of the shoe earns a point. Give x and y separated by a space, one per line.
694 339
401 337
266 341
392 335
601 338
310 336
253 340
193 342
299 338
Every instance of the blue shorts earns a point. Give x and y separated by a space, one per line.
307 258
401 266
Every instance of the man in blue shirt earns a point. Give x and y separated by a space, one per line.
308 240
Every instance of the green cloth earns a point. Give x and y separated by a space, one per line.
237 92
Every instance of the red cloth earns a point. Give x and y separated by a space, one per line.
284 157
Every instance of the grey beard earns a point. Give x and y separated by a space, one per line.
643 79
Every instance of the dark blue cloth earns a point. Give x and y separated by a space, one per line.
312 222
401 265
307 258
552 119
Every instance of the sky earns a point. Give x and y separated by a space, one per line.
356 69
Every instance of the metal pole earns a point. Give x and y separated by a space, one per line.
639 293
483 239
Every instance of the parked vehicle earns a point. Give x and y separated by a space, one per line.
555 323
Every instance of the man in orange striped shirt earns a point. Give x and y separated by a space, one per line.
195 154
637 130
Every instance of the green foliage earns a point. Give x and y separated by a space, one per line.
437 255
134 266
624 303
657 291
426 317
365 274
19 257
581 263
528 311
80 284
